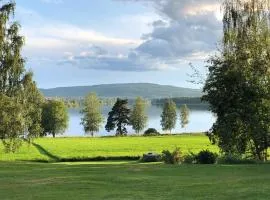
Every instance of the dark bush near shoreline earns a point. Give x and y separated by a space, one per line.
151 157
151 132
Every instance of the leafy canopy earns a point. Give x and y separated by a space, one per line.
138 117
92 117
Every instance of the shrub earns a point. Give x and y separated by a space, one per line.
234 159
151 157
190 158
206 157
172 157
151 132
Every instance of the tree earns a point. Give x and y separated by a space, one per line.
168 116
184 115
92 117
34 101
20 99
138 116
238 84
54 117
119 117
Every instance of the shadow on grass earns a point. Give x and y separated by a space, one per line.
55 158
46 153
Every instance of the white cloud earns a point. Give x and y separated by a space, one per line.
180 31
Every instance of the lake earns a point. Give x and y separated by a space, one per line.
200 120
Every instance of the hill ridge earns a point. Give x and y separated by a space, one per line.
127 90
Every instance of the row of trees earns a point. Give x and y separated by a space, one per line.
121 115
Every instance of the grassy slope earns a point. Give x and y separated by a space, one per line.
132 181
26 152
122 146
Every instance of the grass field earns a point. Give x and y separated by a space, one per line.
122 146
81 148
68 181
26 153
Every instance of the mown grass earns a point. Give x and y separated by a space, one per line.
26 153
82 148
112 180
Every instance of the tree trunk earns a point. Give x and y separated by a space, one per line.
53 135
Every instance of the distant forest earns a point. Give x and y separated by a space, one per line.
192 102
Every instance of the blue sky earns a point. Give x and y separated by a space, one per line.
87 42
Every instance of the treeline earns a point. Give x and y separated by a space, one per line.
78 102
193 102
180 101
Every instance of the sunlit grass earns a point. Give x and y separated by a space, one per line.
26 152
123 146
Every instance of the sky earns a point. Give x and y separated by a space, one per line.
89 42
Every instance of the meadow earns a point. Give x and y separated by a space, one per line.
131 180
21 179
118 147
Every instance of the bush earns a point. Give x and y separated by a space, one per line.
234 159
191 158
206 157
151 157
151 132
172 157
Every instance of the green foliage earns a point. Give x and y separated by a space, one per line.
174 157
184 115
190 158
12 123
119 117
54 117
138 118
151 132
19 96
168 116
238 84
234 159
206 157
33 105
92 117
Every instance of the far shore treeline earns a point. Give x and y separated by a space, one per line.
192 102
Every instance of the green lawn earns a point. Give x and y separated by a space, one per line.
132 181
26 152
122 146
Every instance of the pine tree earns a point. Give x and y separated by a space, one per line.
119 117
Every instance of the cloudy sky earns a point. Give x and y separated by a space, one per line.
87 42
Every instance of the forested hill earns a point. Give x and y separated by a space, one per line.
129 90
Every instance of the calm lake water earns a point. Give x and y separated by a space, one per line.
200 120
